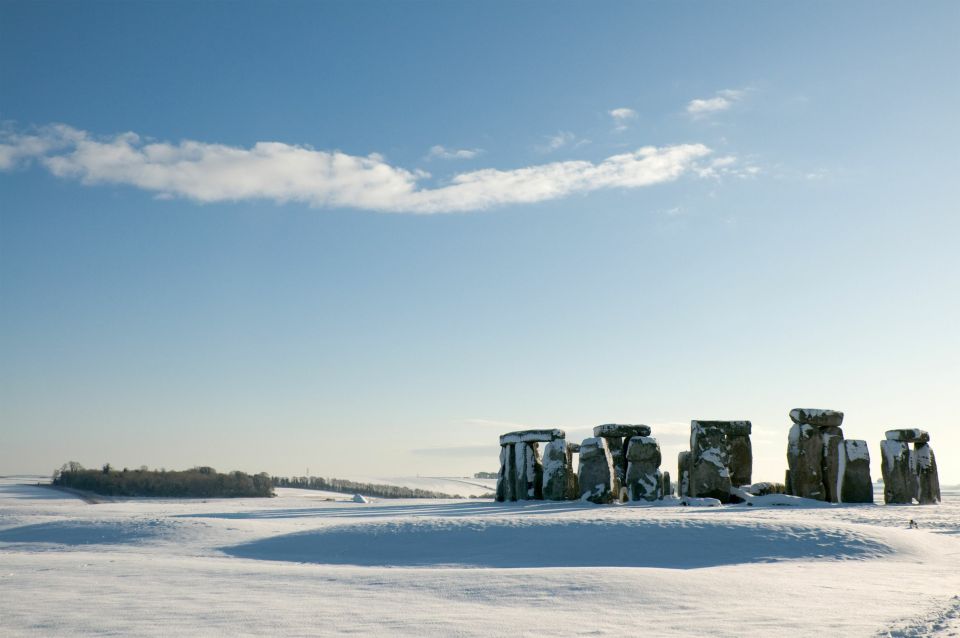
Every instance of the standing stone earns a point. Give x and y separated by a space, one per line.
929 492
787 483
529 472
857 484
643 471
908 435
501 475
618 437
556 470
709 476
573 485
739 453
596 476
805 458
618 456
683 474
833 458
509 472
898 476
666 487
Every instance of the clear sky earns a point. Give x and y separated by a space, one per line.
367 238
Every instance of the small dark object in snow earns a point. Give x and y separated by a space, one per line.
913 524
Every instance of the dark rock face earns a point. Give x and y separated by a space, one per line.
857 484
529 472
556 470
899 482
621 430
928 479
666 489
819 418
683 474
787 483
805 459
501 475
598 482
643 479
709 476
832 437
908 435
618 456
740 459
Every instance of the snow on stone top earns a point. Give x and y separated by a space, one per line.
892 450
621 429
857 450
730 428
818 417
908 435
532 436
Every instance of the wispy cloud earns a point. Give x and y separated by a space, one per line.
441 152
726 166
722 101
562 139
621 117
280 172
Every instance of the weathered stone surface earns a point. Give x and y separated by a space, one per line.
819 418
621 430
832 437
596 476
929 480
805 459
556 470
683 474
908 435
666 486
573 448
899 476
709 476
857 485
644 480
618 456
529 472
787 483
740 459
501 475
532 436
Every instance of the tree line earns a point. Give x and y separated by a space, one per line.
202 482
344 486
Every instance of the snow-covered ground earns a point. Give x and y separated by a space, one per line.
303 565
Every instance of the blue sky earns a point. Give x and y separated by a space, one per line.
366 238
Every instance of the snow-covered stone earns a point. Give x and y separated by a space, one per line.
817 417
557 470
596 477
621 430
927 477
899 477
805 459
358 498
908 435
532 436
643 479
528 472
709 476
857 485
683 474
834 458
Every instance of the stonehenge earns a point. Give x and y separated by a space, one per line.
822 464
909 474
621 462
720 459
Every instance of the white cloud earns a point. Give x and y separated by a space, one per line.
441 152
621 116
722 101
282 172
561 140
726 166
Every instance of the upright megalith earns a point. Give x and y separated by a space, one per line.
596 476
856 486
521 469
709 476
816 454
913 472
683 474
899 483
805 459
557 470
666 488
643 478
618 436
929 488
739 452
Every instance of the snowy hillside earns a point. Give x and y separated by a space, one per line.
300 564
